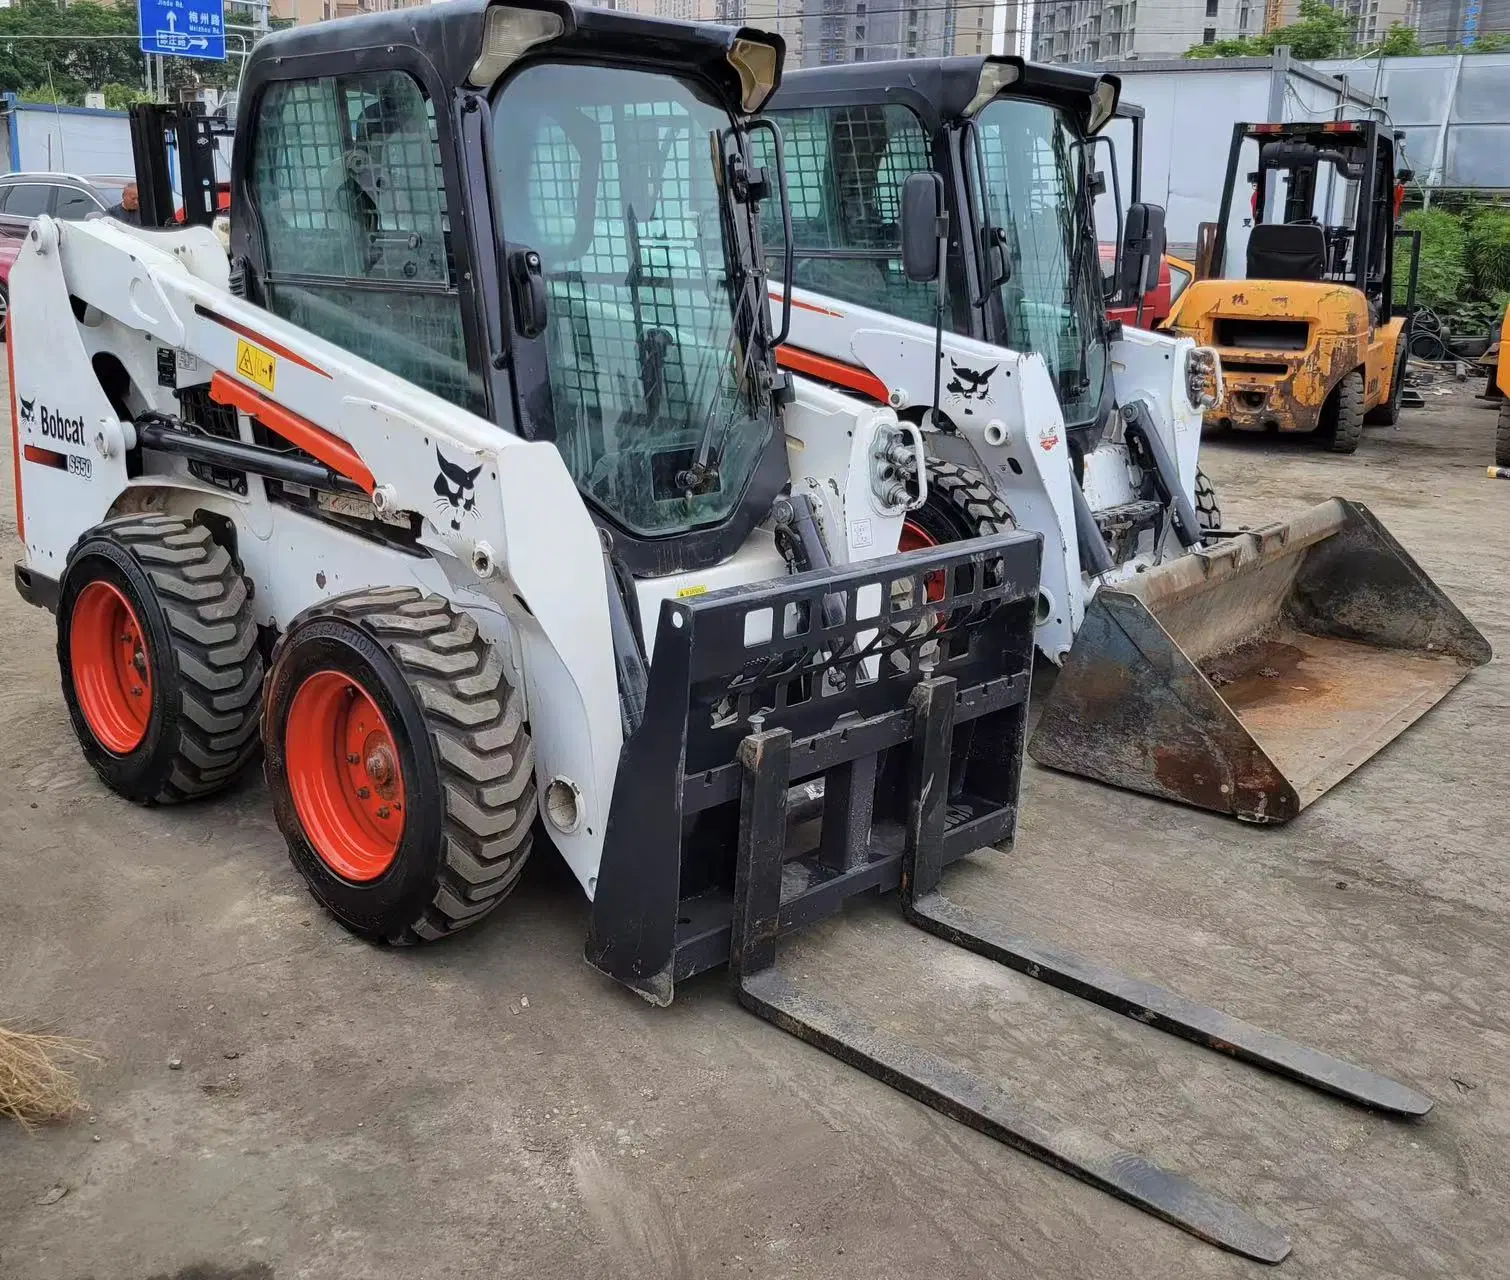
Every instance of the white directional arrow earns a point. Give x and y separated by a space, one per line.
172 21
199 42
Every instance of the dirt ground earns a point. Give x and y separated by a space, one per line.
491 1107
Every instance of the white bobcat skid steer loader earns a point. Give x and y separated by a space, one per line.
1247 682
483 410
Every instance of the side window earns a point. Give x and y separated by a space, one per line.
28 199
348 179
845 168
75 205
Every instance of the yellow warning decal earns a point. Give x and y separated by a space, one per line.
255 365
684 592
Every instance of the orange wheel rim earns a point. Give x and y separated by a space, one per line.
112 670
344 775
914 538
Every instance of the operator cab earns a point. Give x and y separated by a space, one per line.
1322 206
1015 144
547 215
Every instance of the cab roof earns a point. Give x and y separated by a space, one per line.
449 37
939 89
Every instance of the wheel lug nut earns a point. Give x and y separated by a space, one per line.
136 691
363 793
383 811
352 757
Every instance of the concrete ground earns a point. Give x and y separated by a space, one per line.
493 1108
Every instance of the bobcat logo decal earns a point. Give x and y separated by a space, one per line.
970 384
455 490
28 409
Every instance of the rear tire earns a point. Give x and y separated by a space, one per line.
1388 413
4 313
1342 416
405 702
158 651
1502 437
1208 510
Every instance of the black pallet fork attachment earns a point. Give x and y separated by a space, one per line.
921 765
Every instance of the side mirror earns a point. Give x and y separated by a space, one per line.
1143 245
922 226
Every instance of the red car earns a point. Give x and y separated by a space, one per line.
10 246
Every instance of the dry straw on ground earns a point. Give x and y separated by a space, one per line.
34 1086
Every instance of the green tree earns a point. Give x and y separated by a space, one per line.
52 60
1444 255
1401 41
1319 31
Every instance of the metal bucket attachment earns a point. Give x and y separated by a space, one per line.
1252 676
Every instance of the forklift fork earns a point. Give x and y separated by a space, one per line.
925 906
766 770
765 760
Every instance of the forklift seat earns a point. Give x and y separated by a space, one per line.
1286 251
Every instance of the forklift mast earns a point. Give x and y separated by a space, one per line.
159 131
1360 247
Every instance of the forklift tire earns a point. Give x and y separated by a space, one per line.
960 505
1388 413
401 773
1208 510
1502 437
1342 415
158 651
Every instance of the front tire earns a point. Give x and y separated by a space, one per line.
1208 510
960 505
1388 413
401 774
1342 417
1502 436
157 647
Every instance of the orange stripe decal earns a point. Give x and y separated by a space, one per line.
808 306
316 441
251 335
45 457
15 423
833 371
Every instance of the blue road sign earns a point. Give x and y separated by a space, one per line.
183 28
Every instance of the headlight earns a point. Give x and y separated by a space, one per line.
507 35
1203 378
1103 104
996 74
758 64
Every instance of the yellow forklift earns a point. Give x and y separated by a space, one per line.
1310 336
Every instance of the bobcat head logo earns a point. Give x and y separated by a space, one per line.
28 409
971 384
455 490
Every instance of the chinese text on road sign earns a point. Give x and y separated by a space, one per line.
185 28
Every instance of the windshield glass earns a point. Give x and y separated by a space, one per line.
612 176
1034 170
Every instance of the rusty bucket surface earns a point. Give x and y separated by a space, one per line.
1252 676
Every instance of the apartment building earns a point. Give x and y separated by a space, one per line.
828 32
1373 18
1091 30
301 12
1452 22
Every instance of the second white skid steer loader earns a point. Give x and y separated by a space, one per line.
1245 673
483 413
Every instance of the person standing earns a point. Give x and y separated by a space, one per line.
129 207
